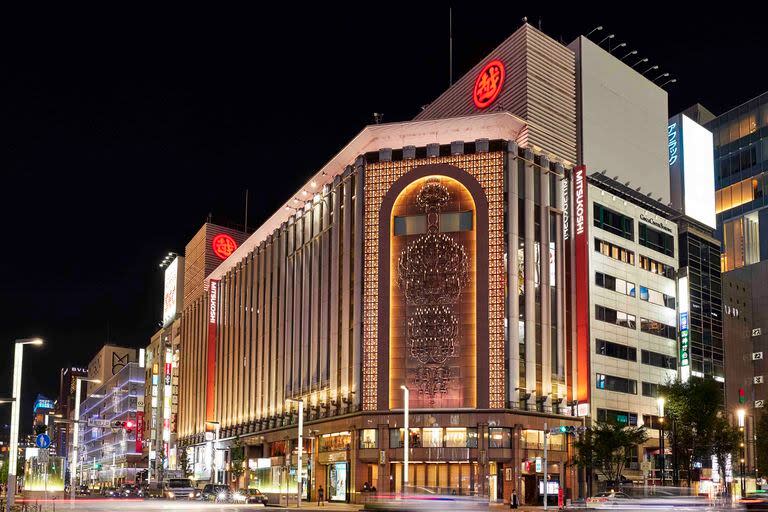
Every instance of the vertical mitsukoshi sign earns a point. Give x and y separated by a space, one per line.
210 389
581 248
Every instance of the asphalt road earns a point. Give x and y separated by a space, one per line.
115 505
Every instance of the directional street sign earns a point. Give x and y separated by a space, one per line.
42 441
95 422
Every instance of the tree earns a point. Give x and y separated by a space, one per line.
725 441
237 458
693 408
606 446
184 462
761 444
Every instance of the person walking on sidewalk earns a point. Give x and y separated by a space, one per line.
320 493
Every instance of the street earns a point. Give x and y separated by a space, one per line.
110 505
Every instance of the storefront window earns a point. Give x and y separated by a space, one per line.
337 481
456 437
532 439
396 438
500 438
432 437
369 438
338 441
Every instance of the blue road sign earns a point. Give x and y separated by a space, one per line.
42 441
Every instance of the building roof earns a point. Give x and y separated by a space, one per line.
496 125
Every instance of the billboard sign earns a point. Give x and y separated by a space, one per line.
581 248
213 305
171 292
692 169
488 84
685 351
223 246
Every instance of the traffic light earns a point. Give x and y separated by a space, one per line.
129 426
742 396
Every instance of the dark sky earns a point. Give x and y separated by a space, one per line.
120 135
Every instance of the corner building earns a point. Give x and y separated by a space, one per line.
427 254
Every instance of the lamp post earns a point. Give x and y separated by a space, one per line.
299 475
16 395
660 402
76 433
741 414
406 435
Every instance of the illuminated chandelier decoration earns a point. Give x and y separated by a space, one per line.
432 272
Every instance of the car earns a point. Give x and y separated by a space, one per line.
608 499
757 500
131 491
180 489
220 493
110 492
83 490
250 496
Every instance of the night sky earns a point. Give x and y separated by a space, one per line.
120 136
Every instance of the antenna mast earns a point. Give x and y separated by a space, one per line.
246 211
450 46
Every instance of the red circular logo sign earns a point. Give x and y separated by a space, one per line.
223 246
488 84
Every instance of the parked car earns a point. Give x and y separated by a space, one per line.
250 496
180 489
220 493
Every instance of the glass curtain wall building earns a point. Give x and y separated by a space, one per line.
741 180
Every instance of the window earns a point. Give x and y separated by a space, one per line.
615 317
610 349
655 267
658 298
623 417
658 328
432 437
614 284
532 439
614 222
369 438
659 360
650 389
335 442
614 251
456 437
618 384
652 421
500 438
656 240
450 222
396 438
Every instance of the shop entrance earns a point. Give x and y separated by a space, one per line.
337 485
456 478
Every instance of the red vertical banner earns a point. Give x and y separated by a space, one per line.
581 250
139 431
210 389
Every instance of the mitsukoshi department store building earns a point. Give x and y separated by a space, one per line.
428 254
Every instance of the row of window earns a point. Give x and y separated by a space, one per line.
458 437
622 385
619 285
624 226
626 353
622 319
626 256
627 418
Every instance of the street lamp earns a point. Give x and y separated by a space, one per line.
741 414
299 475
16 395
406 435
76 433
660 402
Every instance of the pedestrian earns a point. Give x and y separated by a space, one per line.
320 496
513 502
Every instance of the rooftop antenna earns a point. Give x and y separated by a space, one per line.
539 23
450 46
377 117
246 211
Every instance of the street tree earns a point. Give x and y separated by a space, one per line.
725 441
761 443
606 446
237 456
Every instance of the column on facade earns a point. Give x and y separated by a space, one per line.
546 317
513 289
529 290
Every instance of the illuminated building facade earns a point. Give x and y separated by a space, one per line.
112 456
428 254
65 406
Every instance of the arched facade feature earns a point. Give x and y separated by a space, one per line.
390 378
